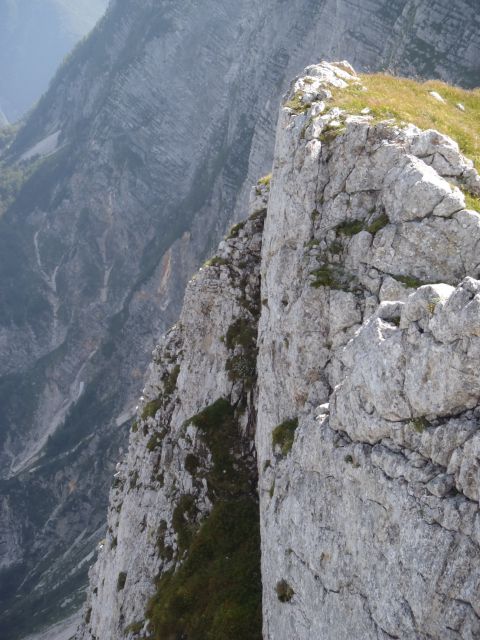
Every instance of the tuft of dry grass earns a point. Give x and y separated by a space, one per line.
409 101
472 202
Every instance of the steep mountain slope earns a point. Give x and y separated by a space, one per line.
35 35
149 135
354 383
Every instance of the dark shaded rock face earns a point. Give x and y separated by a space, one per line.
34 38
148 136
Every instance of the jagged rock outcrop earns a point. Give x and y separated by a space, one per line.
372 518
149 139
176 469
365 402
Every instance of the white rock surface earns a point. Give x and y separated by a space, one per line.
372 518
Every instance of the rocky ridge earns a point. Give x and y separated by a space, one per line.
374 511
366 430
137 159
169 482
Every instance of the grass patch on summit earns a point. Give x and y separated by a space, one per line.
472 202
406 100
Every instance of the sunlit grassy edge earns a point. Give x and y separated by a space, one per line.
409 101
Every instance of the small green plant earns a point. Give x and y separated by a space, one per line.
284 591
216 261
242 366
420 424
296 104
135 627
284 434
151 408
350 227
333 276
240 333
335 248
323 277
410 281
165 551
330 134
235 230
266 180
170 383
378 224
135 427
258 215
154 442
122 579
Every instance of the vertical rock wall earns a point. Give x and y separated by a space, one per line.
368 390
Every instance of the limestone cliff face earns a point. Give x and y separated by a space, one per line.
149 139
360 405
372 518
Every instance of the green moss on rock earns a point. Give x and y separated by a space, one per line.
242 366
296 104
284 591
151 408
235 230
216 261
284 434
420 424
122 579
378 224
184 521
410 281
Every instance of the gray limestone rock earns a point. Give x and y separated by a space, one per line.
151 135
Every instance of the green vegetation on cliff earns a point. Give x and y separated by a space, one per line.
215 594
